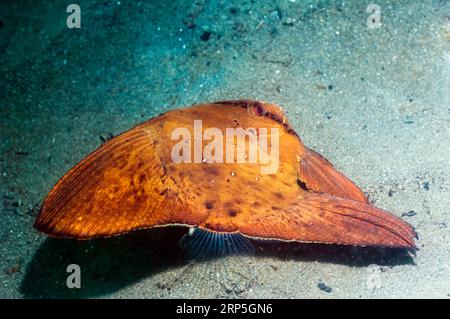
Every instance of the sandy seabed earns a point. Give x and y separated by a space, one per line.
374 101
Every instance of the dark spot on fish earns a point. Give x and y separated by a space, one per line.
256 204
426 186
390 193
232 212
278 195
164 168
241 103
209 205
302 185
211 170
140 198
164 192
275 208
173 180
259 109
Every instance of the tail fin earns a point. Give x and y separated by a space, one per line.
322 218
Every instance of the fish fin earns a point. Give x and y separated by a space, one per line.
132 181
317 174
321 218
204 244
123 185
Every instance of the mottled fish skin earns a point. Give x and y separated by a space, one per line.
131 182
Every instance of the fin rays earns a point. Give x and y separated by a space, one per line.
203 244
86 170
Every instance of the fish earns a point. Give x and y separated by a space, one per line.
158 174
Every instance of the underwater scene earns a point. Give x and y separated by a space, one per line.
225 149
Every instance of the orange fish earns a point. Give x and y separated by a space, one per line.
168 171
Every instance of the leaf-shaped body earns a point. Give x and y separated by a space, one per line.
133 181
